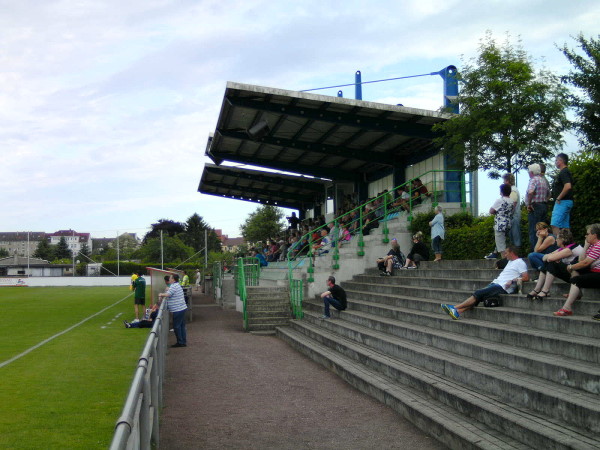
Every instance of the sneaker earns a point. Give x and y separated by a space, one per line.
383 274
136 320
411 267
451 310
491 256
596 316
325 317
127 325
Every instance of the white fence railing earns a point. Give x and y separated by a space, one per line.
137 428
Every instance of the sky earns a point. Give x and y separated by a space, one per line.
106 106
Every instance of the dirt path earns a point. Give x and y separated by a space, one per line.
230 389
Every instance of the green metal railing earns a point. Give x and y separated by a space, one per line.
247 273
382 207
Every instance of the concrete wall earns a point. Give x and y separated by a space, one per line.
77 281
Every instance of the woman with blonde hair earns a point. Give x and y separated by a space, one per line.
419 252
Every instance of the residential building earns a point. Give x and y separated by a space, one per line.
21 243
75 240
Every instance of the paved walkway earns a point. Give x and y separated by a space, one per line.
230 389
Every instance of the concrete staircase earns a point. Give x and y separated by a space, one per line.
508 377
267 308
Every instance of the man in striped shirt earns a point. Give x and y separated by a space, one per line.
536 201
176 304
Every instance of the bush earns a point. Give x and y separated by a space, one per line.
585 168
467 237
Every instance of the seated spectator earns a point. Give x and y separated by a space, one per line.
419 252
261 258
370 220
513 274
146 322
345 235
555 264
393 260
323 244
334 296
546 243
402 199
585 273
419 191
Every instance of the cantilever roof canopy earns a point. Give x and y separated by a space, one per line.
321 136
289 191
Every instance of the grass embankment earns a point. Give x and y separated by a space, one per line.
69 392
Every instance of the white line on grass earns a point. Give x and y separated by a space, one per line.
45 341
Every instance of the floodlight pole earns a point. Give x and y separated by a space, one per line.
162 264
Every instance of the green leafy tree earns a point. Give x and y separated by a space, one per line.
174 250
168 227
510 117
265 222
62 250
586 77
194 234
44 250
4 253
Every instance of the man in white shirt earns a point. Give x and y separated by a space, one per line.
506 283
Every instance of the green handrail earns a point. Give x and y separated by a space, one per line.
296 295
247 274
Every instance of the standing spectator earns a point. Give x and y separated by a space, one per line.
334 296
515 229
176 304
419 252
139 288
536 201
545 243
198 278
502 209
562 191
294 221
437 233
585 273
393 260
544 179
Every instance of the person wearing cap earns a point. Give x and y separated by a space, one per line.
536 201
393 260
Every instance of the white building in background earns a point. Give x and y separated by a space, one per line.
21 243
74 240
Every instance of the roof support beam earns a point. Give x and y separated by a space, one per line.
266 177
331 150
276 195
348 119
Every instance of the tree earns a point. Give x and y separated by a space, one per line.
62 250
265 222
194 234
44 250
173 250
510 117
586 77
168 227
4 253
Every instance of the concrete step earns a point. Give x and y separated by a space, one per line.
551 399
436 404
583 308
569 346
566 371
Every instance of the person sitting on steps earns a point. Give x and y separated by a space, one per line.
513 274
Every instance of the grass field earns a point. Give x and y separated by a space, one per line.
68 393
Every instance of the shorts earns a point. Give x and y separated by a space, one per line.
139 301
561 214
490 290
